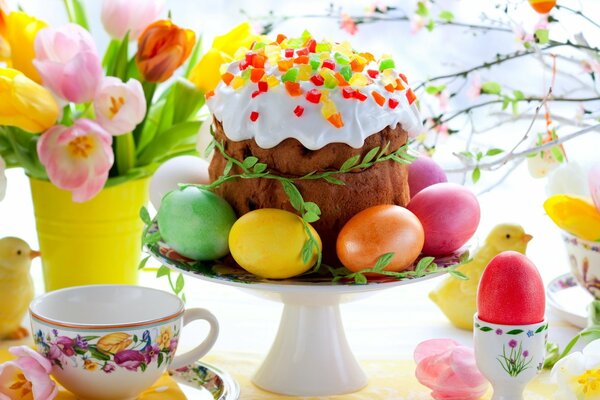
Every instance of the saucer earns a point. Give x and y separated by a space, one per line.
201 381
568 300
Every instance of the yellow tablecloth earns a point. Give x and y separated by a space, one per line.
388 379
164 389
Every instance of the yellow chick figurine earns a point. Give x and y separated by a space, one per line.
16 286
458 299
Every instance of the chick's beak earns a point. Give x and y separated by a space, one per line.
34 253
527 238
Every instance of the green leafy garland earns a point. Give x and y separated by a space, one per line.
310 212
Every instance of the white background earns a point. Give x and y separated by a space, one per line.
391 323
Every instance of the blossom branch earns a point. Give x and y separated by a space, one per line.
579 13
440 120
489 166
272 20
500 59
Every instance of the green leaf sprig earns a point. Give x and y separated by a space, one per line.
150 239
309 211
425 266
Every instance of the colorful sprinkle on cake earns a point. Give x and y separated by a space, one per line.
331 77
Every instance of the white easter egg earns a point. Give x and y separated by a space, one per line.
568 178
204 137
182 169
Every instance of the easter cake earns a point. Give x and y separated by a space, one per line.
305 107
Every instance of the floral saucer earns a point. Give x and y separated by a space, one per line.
201 381
568 300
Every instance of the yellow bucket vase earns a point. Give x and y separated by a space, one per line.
96 242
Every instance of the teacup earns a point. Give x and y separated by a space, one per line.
584 259
110 342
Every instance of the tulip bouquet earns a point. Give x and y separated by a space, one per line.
86 122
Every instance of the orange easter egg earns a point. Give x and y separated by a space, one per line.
376 231
542 6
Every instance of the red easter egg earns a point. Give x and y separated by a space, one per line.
511 291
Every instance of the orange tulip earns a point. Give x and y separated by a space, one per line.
542 6
162 48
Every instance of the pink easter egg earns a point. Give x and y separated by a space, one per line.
422 173
449 214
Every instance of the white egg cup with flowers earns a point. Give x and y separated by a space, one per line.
90 131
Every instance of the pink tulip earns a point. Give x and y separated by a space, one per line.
77 158
449 370
120 106
26 377
594 180
68 61
122 16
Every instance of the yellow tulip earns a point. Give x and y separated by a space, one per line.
574 214
4 46
206 74
18 31
24 103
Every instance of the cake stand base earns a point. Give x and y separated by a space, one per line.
310 355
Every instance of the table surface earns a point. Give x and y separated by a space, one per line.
385 326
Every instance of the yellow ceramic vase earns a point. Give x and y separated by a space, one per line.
96 242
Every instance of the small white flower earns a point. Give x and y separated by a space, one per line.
578 374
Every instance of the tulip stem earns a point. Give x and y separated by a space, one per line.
124 153
149 89
76 13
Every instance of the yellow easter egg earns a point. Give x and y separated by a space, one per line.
268 243
575 215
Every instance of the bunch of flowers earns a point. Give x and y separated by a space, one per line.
86 122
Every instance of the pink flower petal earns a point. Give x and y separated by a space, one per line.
68 61
26 351
463 364
433 347
121 16
89 189
130 112
449 370
83 174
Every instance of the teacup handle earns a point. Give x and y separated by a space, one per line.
199 351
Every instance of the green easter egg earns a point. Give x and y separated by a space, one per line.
196 223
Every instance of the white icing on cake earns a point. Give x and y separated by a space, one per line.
276 119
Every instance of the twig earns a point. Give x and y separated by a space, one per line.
536 149
535 115
501 59
373 18
525 100
577 12
504 177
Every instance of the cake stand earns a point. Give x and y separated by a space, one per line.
310 355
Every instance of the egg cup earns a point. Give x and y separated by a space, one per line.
509 356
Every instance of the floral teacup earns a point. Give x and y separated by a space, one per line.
584 258
110 342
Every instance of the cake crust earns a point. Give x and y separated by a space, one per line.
383 183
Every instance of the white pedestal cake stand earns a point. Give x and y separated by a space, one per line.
310 355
